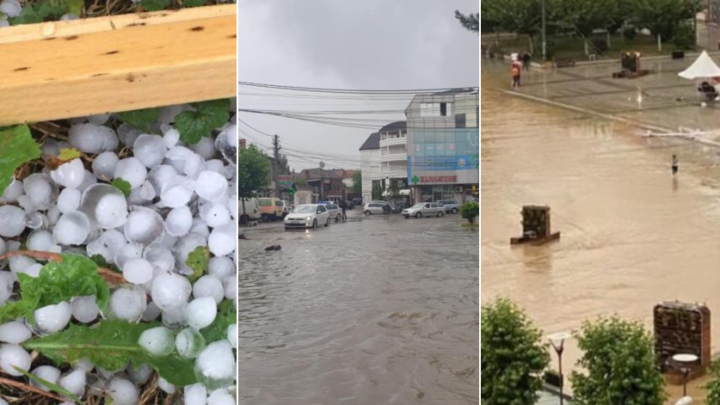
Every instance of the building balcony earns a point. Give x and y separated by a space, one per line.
394 174
393 142
394 157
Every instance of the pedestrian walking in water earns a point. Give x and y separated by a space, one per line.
674 164
526 61
515 73
343 207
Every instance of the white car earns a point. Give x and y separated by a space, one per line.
334 211
424 210
307 216
376 208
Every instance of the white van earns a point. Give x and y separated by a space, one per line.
249 209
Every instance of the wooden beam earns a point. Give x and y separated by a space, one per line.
75 68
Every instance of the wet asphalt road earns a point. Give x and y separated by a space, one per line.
378 310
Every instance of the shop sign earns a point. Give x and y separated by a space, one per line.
285 180
438 179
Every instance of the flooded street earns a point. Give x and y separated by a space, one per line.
380 310
632 236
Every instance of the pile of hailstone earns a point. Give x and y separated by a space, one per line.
181 197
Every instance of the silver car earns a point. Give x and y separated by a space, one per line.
451 206
307 216
424 210
334 212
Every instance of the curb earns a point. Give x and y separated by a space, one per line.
551 64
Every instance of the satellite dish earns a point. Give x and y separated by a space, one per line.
322 164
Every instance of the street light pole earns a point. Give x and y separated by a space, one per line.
544 39
558 343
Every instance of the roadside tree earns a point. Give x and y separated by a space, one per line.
393 189
377 191
512 355
713 387
620 365
357 182
470 21
253 172
470 211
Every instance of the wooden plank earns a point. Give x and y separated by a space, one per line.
59 29
97 67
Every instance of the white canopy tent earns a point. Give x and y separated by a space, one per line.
703 68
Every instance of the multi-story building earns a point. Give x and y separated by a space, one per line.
384 157
443 143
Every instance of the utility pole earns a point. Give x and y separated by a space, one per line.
544 39
276 165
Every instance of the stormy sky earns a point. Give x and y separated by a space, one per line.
355 44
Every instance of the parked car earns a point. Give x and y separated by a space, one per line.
249 210
376 207
357 201
271 209
349 205
307 216
334 211
424 210
451 206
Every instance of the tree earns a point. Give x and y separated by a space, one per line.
283 166
585 16
377 191
393 189
471 21
357 182
512 356
620 363
301 182
470 211
662 17
713 387
253 172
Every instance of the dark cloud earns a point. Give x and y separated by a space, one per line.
351 44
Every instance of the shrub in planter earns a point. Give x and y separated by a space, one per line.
684 37
470 211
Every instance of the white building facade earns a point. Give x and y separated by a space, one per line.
383 158
443 144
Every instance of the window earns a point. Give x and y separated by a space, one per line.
320 209
265 203
278 203
459 120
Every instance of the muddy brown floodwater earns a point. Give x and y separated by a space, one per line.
373 311
631 234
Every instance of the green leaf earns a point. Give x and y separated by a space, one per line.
58 281
227 315
52 9
101 262
198 260
208 115
195 3
75 6
111 345
141 119
52 387
16 148
122 185
154 5
29 15
67 154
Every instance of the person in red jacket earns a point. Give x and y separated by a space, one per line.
515 73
